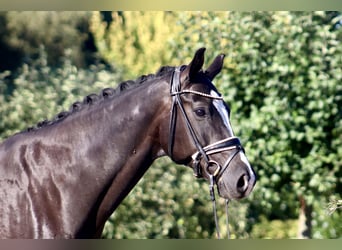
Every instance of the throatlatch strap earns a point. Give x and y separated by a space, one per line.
173 116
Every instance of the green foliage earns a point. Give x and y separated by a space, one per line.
41 91
283 80
325 224
135 38
275 229
333 205
22 33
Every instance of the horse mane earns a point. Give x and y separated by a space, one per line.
105 93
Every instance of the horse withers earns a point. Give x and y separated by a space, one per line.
63 178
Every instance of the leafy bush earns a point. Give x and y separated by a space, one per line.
275 229
22 34
136 41
41 91
282 77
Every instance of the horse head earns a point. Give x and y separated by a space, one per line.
200 133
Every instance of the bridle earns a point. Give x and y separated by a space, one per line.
203 153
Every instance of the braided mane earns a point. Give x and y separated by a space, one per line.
103 95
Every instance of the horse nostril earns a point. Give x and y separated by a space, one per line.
242 183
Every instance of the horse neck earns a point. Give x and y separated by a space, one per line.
121 142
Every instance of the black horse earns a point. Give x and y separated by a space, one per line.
65 177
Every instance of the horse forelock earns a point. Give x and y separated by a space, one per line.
106 93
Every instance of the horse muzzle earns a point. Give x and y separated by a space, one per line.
238 179
235 178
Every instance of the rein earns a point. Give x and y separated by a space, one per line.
230 143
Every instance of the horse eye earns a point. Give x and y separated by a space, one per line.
200 112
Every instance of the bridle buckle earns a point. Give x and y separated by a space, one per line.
217 170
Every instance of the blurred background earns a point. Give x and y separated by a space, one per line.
282 78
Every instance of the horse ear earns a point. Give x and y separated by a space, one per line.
195 65
215 67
